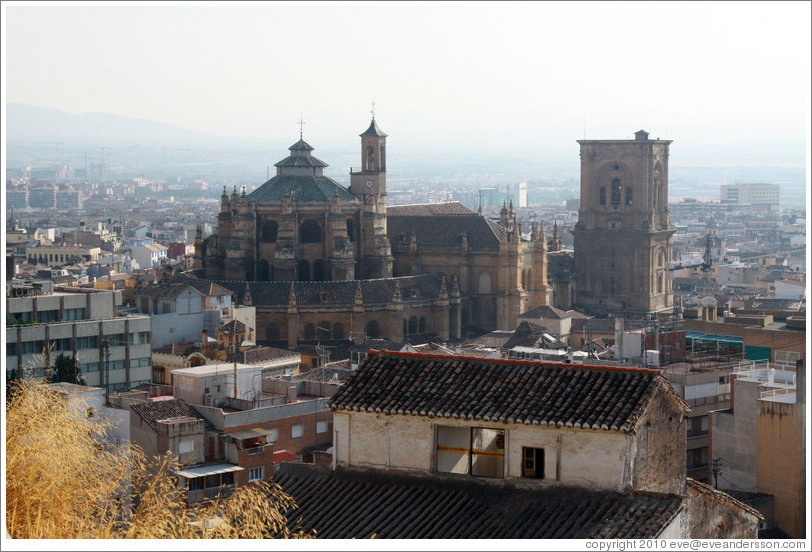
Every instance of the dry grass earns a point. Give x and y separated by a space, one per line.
63 482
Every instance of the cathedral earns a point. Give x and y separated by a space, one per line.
322 261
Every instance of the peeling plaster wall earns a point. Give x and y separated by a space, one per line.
710 520
586 458
660 462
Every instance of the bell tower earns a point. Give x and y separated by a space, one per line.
369 186
623 235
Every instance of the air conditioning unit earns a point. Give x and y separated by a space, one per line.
207 399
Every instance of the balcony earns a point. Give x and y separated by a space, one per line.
712 399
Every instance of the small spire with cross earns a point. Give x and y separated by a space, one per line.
373 110
301 123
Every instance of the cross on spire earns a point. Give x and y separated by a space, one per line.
301 123
373 110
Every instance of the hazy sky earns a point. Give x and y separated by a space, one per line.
475 74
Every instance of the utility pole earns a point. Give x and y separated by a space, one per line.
716 470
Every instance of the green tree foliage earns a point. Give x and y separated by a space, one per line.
66 369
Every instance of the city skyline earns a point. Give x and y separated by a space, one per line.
473 75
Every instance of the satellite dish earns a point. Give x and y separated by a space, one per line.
708 301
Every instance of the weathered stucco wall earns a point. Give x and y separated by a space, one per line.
781 472
708 518
660 459
580 457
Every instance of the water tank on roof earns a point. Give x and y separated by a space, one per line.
653 358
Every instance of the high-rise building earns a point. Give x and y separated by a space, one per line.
623 236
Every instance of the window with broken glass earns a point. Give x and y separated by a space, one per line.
476 451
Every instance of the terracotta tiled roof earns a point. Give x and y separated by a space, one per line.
261 354
345 504
282 456
496 339
506 391
235 326
207 288
527 334
546 311
153 411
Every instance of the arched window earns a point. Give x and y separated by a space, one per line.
263 270
323 330
338 330
304 271
272 331
319 271
373 329
310 232
405 327
383 158
413 325
309 331
603 195
629 195
616 193
524 279
370 159
421 325
484 282
351 230
269 230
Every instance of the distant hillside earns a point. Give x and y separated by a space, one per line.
27 123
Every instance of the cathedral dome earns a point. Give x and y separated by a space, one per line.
301 175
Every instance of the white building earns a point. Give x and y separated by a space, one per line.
211 384
149 255
751 194
81 323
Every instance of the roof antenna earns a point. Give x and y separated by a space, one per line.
373 110
301 123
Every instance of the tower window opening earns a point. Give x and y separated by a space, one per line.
603 196
628 196
616 193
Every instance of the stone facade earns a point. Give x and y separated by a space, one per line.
623 234
301 226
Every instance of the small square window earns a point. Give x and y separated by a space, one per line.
296 430
533 462
273 435
321 426
256 474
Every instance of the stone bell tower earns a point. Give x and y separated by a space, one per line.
369 186
623 234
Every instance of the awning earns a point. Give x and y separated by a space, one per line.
213 469
249 433
712 338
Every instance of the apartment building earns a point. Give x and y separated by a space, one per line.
113 351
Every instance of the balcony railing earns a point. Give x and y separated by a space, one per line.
695 435
256 450
712 399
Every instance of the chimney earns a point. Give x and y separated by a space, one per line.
292 393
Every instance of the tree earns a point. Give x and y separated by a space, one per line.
66 369
64 480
